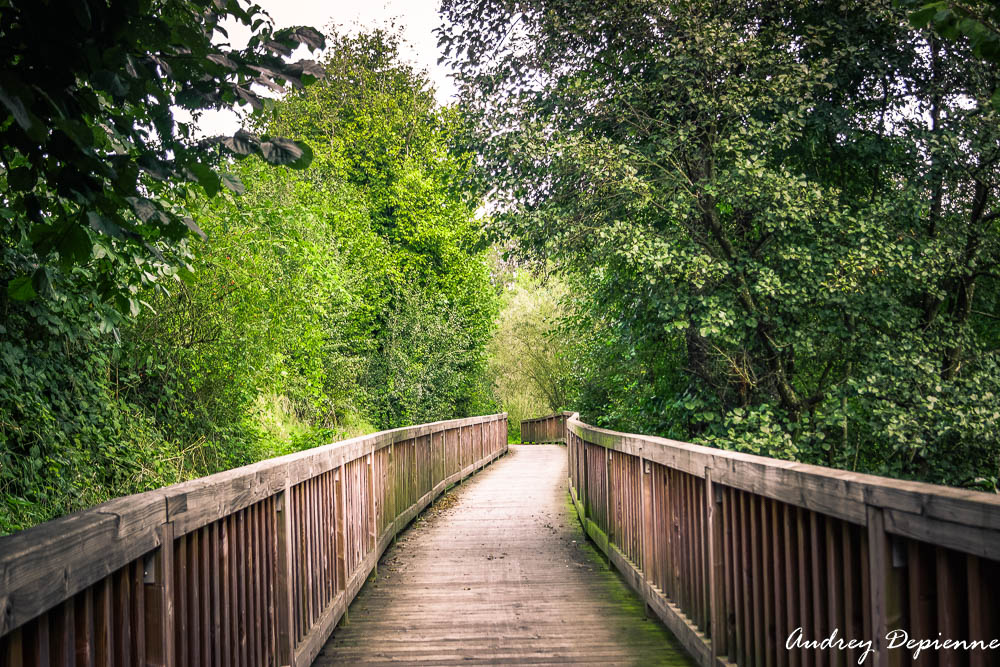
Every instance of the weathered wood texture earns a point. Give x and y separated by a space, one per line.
253 566
499 572
735 551
545 429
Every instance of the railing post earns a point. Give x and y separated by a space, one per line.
715 623
284 594
158 578
646 509
341 512
878 549
372 514
608 523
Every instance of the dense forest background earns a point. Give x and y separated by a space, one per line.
348 297
777 222
764 226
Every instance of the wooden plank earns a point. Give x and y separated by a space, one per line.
731 608
805 572
757 581
851 601
973 540
240 597
714 567
215 566
283 584
947 605
341 519
84 617
834 588
817 592
42 656
205 612
225 591
746 563
793 614
43 566
780 630
552 615
121 617
978 629
193 633
258 582
65 633
878 550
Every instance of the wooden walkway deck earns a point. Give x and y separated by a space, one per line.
499 572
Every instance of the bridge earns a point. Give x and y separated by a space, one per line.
605 547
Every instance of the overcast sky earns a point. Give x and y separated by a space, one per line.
416 18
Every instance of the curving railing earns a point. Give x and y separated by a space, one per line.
748 559
253 566
551 428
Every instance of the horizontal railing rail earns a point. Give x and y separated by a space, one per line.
253 566
742 555
551 428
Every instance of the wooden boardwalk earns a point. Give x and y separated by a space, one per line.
499 572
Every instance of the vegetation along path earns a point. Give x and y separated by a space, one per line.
499 572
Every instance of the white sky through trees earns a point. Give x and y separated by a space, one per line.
416 20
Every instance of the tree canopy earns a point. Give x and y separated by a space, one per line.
780 217
349 296
95 166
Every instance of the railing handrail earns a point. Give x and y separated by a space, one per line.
708 538
564 413
840 493
42 566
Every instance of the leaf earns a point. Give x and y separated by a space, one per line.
233 182
21 178
20 289
193 226
220 59
294 154
280 151
24 118
102 225
250 97
79 132
242 143
74 245
143 208
277 47
153 166
206 177
110 82
304 35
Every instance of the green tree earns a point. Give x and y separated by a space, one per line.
377 129
528 352
783 214
94 167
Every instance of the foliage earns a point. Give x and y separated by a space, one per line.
782 216
418 250
95 169
320 306
977 21
527 354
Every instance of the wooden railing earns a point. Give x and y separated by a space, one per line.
735 552
254 566
551 428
